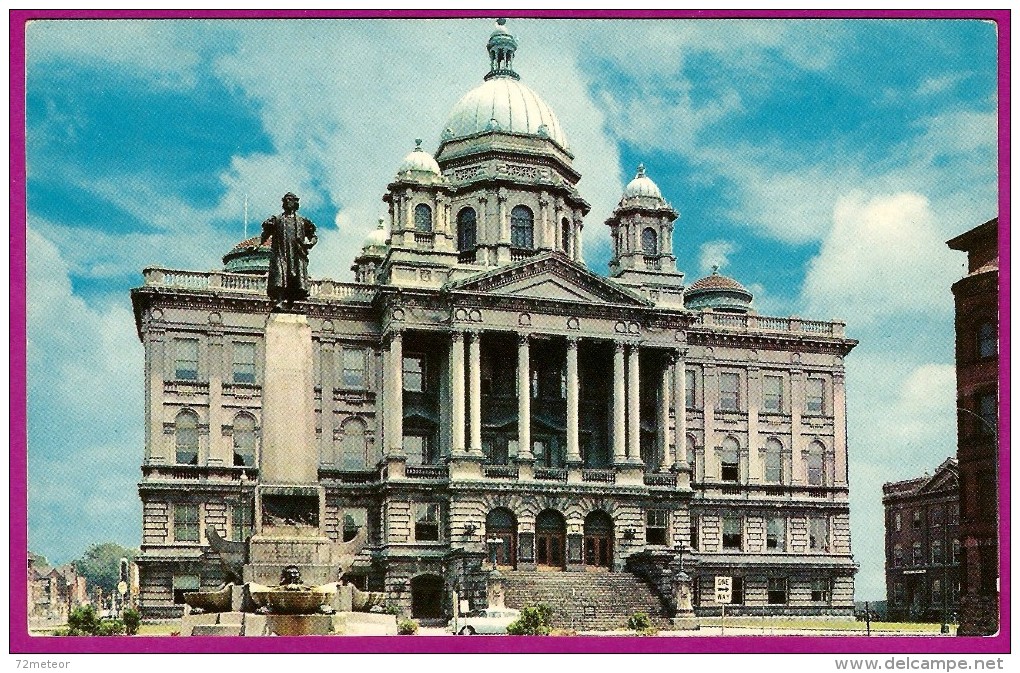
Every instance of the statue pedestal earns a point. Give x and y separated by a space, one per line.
289 454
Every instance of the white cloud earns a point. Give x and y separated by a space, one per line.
880 258
715 254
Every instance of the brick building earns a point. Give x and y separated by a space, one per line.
922 546
977 402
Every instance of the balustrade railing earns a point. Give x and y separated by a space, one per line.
250 283
200 472
520 254
660 479
501 471
349 476
551 473
424 240
425 471
769 323
599 476
653 263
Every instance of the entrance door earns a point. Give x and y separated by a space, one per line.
598 540
550 539
501 525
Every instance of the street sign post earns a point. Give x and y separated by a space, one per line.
723 595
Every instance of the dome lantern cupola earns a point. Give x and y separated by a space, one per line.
642 231
419 165
501 47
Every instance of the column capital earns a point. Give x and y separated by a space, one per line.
682 352
456 335
523 338
572 341
619 346
393 335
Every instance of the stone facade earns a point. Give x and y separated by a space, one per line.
977 403
922 546
479 393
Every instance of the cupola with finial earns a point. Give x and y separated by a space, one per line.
642 230
719 293
502 45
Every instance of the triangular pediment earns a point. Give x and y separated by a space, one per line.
549 276
945 477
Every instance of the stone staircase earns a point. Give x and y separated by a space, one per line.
584 601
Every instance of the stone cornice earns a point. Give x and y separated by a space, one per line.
797 342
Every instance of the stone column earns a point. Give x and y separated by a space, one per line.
794 474
663 421
680 407
504 221
394 402
619 405
475 391
578 241
711 403
457 392
633 405
544 240
523 397
573 394
755 466
288 406
839 429
157 450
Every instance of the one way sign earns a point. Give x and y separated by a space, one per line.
723 589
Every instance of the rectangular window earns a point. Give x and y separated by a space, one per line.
426 522
690 392
656 526
244 362
897 556
772 394
729 391
916 520
814 397
818 533
773 463
695 525
936 592
957 552
730 465
898 522
775 534
988 414
737 594
419 449
240 522
414 373
183 584
937 557
918 554
821 591
354 520
353 369
732 532
899 595
777 591
936 517
186 359
186 522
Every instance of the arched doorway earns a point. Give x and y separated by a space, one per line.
501 525
550 539
598 540
427 597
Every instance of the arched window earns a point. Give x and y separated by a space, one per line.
522 227
988 340
649 242
353 445
467 229
729 460
816 464
565 235
244 441
422 218
773 461
186 436
690 454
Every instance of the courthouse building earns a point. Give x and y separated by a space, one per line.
482 394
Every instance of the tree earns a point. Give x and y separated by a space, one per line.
38 560
534 621
100 565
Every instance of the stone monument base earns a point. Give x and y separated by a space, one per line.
688 622
252 624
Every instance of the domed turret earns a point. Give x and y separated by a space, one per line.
719 293
373 252
501 103
248 256
641 185
419 165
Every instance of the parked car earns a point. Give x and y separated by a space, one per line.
489 620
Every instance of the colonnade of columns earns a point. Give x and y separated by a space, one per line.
465 405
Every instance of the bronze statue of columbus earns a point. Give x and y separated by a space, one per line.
292 237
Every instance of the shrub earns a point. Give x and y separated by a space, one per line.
407 627
391 609
83 621
639 621
534 621
132 618
110 627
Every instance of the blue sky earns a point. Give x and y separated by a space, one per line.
821 163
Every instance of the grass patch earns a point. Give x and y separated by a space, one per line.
159 628
794 623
